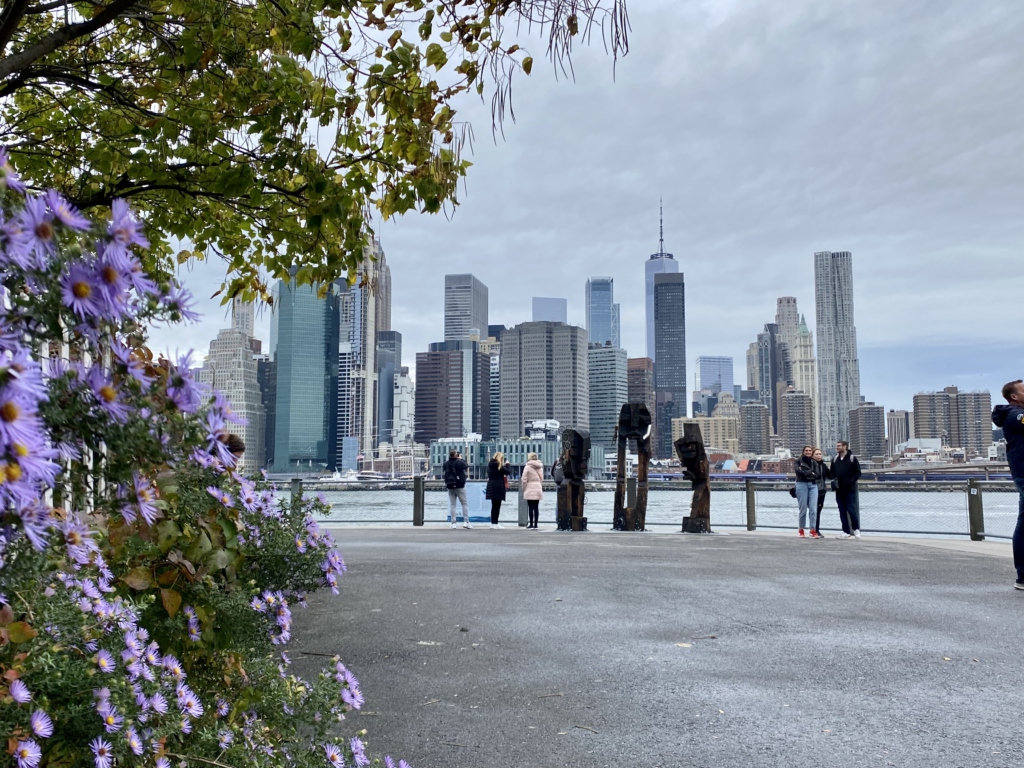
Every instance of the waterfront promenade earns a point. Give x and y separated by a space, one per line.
480 649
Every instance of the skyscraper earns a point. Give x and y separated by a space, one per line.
867 431
755 429
959 419
774 371
608 392
304 346
404 407
640 381
714 373
796 420
231 368
799 341
670 363
900 429
465 307
544 375
838 366
659 263
602 311
389 361
452 391
549 310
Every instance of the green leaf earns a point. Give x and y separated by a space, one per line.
167 535
199 548
528 64
218 559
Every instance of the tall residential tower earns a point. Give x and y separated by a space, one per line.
838 366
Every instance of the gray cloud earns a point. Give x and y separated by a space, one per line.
772 129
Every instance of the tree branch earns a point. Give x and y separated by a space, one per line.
62 36
10 18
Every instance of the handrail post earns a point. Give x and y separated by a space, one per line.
975 511
296 487
419 487
524 510
751 505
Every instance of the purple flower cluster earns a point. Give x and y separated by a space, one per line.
350 693
274 605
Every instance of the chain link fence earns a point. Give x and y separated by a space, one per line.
934 509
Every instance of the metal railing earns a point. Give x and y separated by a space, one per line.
975 509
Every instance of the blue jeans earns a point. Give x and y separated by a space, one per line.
807 496
1018 533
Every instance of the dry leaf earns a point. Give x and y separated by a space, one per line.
946 658
685 645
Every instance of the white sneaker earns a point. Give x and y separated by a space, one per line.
844 536
467 524
497 525
493 526
454 526
857 534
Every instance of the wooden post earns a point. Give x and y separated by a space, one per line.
296 487
975 511
751 505
694 459
631 493
419 499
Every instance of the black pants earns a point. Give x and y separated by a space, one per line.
821 503
848 502
533 505
495 510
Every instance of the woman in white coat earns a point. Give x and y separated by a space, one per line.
532 481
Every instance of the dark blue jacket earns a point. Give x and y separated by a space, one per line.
1010 418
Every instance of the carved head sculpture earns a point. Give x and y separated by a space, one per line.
635 421
575 453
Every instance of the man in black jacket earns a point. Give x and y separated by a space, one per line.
454 473
1010 418
845 471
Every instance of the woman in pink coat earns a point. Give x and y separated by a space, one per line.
532 480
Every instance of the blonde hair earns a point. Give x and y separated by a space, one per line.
500 458
531 456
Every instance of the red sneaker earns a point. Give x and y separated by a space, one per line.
800 533
815 535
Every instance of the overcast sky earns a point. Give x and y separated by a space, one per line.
772 129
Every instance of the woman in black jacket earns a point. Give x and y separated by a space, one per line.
807 476
823 478
497 477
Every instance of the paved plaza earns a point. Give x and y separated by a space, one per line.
508 649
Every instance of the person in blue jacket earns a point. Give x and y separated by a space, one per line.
1010 419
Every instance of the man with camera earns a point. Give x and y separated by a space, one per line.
454 473
845 471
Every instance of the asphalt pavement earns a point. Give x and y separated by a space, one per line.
513 648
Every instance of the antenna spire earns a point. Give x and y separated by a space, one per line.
661 227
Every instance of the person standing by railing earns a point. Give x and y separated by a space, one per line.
807 476
845 472
532 481
824 475
1010 418
497 483
454 473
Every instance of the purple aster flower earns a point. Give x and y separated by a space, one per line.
182 388
112 720
78 538
224 739
35 522
134 742
36 229
124 229
358 751
80 290
193 630
65 212
101 695
41 724
28 754
163 762
19 692
388 762
353 697
403 764
258 604
334 756
186 725
8 177
173 667
19 419
220 495
179 304
134 365
222 708
102 752
112 279
300 543
158 703
105 662
153 654
145 498
107 395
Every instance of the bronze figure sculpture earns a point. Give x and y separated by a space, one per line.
693 457
634 424
572 491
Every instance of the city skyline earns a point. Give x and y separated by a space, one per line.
838 159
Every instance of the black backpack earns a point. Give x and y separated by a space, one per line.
451 473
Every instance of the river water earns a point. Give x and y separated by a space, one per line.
910 512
